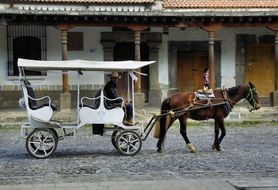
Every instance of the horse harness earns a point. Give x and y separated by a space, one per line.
227 103
250 98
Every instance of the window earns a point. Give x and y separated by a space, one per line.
27 42
75 41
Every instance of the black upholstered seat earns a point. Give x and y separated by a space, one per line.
32 101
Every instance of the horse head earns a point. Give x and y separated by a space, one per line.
252 97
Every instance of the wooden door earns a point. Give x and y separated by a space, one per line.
259 67
190 70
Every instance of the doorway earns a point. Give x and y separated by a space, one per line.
260 67
190 70
125 51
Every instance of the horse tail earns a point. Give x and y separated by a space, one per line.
164 120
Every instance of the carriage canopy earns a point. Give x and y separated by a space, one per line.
83 65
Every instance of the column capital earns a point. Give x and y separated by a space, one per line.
137 27
65 27
273 26
212 27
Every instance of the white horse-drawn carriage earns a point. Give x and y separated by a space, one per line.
42 133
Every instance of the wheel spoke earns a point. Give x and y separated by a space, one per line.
122 145
37 135
48 144
36 150
128 148
34 142
46 137
133 146
134 141
44 150
124 139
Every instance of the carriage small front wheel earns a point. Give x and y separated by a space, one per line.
128 143
41 143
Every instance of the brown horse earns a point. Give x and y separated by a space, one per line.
185 105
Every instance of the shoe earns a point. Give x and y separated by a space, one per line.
128 122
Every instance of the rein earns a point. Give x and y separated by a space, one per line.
250 98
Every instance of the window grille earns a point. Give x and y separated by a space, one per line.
14 32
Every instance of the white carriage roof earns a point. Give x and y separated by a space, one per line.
83 65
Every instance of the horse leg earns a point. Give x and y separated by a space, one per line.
160 143
223 131
183 120
216 134
221 125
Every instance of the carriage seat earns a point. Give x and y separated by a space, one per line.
33 103
201 94
40 110
99 112
95 102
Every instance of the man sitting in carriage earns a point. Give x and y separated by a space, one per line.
110 90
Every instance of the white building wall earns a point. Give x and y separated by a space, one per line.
93 51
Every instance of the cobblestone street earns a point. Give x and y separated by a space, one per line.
250 151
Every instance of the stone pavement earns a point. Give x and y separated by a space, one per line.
182 184
250 159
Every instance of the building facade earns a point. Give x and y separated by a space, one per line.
236 43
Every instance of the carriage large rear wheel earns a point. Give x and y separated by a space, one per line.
128 143
41 143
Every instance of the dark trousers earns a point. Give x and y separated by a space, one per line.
129 111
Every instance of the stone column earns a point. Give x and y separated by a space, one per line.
137 42
64 41
172 69
211 60
65 96
154 92
139 97
211 29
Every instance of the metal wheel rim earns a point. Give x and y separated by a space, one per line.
42 143
128 143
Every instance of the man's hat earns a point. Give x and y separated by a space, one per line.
115 75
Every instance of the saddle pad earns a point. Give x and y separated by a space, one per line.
202 95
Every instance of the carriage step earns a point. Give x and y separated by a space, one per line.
62 137
70 134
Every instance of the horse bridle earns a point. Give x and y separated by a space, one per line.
250 98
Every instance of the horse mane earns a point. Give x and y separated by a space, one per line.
233 90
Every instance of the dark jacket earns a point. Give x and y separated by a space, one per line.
110 91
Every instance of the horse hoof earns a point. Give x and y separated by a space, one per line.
191 148
160 150
217 148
